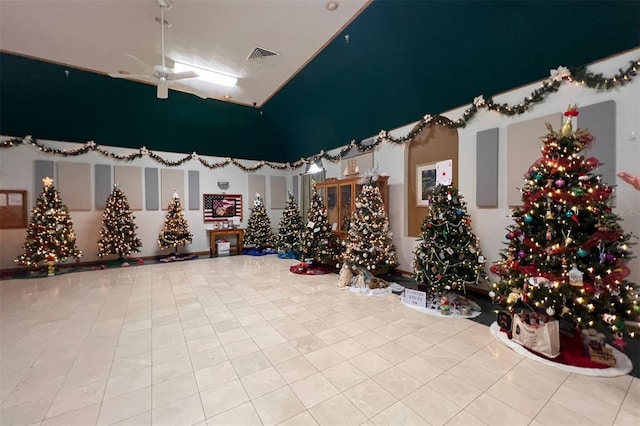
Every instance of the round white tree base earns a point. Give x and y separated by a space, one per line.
623 363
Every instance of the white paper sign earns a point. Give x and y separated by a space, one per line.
444 172
415 297
334 227
3 200
15 199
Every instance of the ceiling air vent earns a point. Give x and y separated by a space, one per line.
260 54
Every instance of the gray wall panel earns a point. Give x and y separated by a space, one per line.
42 169
194 190
600 120
103 185
152 193
487 168
296 190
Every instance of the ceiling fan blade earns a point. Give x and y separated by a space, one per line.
145 67
133 76
186 89
162 91
183 75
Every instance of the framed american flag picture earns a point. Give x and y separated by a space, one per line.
221 206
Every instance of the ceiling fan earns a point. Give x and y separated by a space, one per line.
160 75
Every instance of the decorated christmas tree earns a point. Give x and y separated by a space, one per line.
175 231
370 241
566 253
290 227
258 232
50 235
317 241
448 256
118 232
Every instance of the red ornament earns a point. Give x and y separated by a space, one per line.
571 113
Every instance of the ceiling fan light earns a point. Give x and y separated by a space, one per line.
162 92
207 75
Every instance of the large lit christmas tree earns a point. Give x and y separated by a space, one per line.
50 235
448 256
566 253
258 232
118 232
175 231
370 241
317 242
290 227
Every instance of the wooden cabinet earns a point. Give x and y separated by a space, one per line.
339 198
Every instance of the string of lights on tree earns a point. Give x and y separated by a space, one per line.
558 76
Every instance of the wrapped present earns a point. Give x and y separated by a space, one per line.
602 356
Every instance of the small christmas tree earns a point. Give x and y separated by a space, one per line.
370 243
50 235
118 233
175 230
258 232
290 227
317 242
566 253
448 255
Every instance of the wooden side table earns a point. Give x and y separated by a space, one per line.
215 234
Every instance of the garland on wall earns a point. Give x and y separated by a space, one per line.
557 77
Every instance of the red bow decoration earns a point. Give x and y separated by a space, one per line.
572 111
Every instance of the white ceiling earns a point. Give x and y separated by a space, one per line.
97 35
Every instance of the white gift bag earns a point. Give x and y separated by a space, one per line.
544 339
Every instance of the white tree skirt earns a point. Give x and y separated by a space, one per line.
623 363
366 291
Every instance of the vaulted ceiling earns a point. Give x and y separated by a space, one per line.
339 75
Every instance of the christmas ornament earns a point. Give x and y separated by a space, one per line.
528 218
521 254
575 277
560 183
581 252
550 311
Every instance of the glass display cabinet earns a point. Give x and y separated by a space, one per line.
339 197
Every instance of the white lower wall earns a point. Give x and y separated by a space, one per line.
16 172
489 223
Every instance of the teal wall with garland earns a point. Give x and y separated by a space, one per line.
403 59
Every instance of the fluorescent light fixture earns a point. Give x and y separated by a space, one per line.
315 167
207 75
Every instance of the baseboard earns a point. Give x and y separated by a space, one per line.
8 272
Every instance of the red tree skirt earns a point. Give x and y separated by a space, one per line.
571 357
305 269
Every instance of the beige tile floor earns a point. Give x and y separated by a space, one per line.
241 341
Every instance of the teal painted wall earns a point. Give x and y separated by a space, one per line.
403 59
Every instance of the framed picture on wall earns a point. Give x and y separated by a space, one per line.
425 181
222 207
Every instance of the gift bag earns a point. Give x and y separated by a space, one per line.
543 338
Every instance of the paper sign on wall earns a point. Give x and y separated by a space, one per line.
15 199
3 200
444 172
